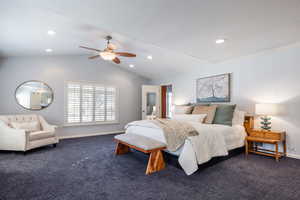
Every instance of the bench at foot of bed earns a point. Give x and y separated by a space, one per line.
144 144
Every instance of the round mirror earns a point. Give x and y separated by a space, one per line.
34 95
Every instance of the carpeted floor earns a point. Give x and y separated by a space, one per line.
86 168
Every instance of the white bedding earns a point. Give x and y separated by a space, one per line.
213 140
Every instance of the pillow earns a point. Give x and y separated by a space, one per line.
208 110
183 109
199 104
190 118
238 117
27 126
224 114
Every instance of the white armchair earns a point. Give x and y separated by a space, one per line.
25 132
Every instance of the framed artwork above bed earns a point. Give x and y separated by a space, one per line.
213 89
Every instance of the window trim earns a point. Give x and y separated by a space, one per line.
117 105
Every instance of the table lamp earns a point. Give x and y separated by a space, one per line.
265 110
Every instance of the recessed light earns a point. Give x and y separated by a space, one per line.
220 41
131 66
48 50
51 32
149 57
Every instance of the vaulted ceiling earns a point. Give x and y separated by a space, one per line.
180 35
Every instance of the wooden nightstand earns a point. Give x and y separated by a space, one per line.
270 137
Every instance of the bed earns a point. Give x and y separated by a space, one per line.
214 140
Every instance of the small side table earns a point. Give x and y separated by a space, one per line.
269 137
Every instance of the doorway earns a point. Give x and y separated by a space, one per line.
166 101
151 95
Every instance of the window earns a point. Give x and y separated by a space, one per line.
89 103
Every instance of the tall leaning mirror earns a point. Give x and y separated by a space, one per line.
34 95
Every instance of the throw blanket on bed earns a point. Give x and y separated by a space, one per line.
175 132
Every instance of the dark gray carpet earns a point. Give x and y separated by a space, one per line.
86 169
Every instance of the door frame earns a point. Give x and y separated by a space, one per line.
164 106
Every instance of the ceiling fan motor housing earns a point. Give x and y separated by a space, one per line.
108 38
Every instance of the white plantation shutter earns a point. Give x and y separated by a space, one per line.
110 103
73 106
99 104
87 103
90 103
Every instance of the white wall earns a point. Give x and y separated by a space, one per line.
271 77
55 70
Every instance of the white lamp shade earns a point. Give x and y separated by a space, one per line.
266 109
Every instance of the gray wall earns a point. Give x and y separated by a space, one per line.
270 77
55 70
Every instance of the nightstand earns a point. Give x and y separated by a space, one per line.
269 137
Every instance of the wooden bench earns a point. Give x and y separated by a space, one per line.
144 144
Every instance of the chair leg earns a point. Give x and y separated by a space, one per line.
24 153
121 149
54 145
156 162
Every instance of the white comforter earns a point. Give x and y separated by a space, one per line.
212 141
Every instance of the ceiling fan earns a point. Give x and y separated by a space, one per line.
108 53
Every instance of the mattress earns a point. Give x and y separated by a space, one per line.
234 135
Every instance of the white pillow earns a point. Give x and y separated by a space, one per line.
27 126
183 109
238 117
190 118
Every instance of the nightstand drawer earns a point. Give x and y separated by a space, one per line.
268 135
257 134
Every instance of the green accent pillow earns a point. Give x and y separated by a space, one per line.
224 114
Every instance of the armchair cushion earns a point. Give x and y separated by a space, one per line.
40 135
32 126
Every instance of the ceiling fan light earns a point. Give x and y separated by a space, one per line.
220 41
112 46
107 55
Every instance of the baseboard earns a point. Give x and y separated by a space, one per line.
90 135
297 156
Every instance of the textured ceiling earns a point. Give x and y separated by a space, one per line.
179 35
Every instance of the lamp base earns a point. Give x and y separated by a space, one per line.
266 123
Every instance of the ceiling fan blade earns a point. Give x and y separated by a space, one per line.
116 60
92 57
125 54
88 48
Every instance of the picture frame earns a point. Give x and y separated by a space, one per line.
213 88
